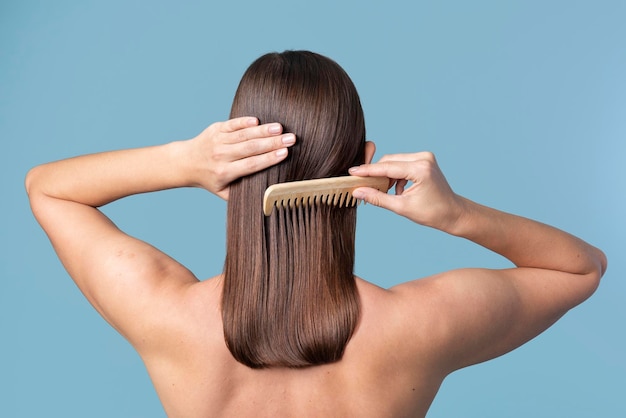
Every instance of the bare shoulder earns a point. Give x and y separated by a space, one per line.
423 322
474 315
186 313
405 318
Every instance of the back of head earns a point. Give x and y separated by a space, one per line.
290 298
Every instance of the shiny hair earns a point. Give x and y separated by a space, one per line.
289 297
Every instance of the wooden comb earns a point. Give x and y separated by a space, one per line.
336 191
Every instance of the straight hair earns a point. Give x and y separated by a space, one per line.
289 296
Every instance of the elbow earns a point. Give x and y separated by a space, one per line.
598 270
34 188
30 182
602 263
36 181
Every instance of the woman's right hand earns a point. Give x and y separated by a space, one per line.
422 193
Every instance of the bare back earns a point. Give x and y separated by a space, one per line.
381 373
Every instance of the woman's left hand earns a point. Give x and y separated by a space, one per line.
235 148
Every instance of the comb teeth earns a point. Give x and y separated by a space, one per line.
335 191
343 199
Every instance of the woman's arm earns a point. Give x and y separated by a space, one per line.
487 312
220 154
122 276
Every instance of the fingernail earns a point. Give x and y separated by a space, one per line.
252 121
353 169
275 128
358 194
289 139
281 152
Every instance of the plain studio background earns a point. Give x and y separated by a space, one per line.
523 102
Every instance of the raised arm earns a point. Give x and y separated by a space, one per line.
487 313
126 279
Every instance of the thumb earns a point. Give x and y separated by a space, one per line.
374 197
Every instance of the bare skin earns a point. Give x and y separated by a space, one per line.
409 337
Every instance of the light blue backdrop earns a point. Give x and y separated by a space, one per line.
523 102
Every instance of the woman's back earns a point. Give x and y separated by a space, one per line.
384 372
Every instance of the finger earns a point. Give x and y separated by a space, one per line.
236 124
392 170
400 185
416 156
253 164
255 132
254 147
376 198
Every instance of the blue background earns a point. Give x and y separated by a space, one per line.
523 102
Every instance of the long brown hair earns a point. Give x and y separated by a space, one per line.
289 297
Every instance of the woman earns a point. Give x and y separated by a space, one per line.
281 333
